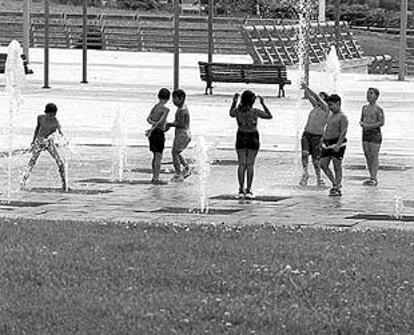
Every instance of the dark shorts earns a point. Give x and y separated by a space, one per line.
157 141
312 144
372 135
329 152
247 140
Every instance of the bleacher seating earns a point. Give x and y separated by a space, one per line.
275 44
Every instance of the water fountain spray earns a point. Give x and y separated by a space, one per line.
15 80
119 136
203 170
333 67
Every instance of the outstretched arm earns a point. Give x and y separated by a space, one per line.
234 104
314 98
265 114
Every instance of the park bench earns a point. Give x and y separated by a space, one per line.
244 73
3 58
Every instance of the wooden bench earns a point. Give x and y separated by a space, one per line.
244 73
3 59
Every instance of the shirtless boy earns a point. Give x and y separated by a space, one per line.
334 144
43 140
182 135
312 135
158 119
372 119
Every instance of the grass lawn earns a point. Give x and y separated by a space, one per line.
377 43
93 278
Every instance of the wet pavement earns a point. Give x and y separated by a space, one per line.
86 113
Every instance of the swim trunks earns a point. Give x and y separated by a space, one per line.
372 135
327 149
181 140
156 140
312 144
247 140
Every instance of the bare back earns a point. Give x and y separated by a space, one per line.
157 112
317 120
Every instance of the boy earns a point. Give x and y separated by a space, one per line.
312 135
334 143
158 119
372 119
46 126
182 135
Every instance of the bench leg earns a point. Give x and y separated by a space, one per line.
281 91
209 87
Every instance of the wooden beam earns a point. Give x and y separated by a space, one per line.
403 40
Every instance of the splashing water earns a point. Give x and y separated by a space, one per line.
301 46
67 152
333 68
15 80
299 78
203 170
398 207
119 136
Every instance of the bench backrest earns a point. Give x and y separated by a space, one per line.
3 59
242 72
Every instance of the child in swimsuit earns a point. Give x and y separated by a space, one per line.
182 136
247 138
372 119
43 139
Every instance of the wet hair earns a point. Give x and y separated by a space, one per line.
164 94
334 98
248 98
323 95
179 93
50 108
375 90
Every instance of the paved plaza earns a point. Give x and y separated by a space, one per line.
127 83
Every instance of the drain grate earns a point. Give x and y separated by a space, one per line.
381 167
21 203
70 191
185 210
262 198
225 162
149 171
381 217
110 181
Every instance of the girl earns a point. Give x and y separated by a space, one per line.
247 139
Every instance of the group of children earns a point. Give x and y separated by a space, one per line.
324 137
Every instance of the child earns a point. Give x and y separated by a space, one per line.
372 119
312 135
158 119
47 125
247 138
334 143
182 135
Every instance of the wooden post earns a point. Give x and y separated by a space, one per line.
307 41
210 30
177 10
26 28
85 43
46 47
403 40
337 19
322 11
